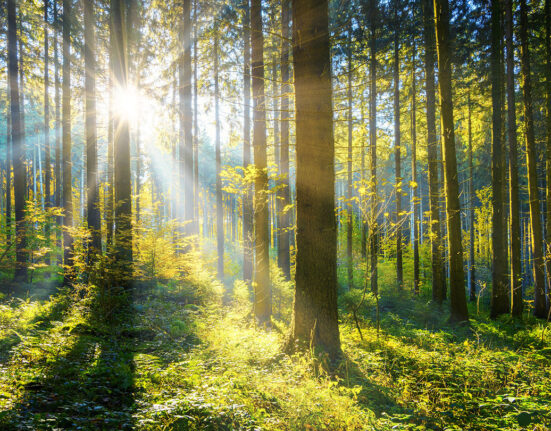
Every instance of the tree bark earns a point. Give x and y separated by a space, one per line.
398 149
548 143
499 300
531 161
349 207
315 315
18 148
263 302
414 179
47 147
458 302
219 201
472 270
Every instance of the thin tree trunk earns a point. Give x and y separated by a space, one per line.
219 202
500 299
57 166
398 149
121 144
47 160
283 193
414 179
263 301
548 143
457 277
315 315
472 271
18 154
531 161
195 124
349 207
92 179
248 252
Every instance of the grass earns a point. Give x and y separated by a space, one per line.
178 359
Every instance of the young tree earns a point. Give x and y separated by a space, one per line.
315 315
414 178
458 303
66 146
500 302
92 179
263 300
219 202
349 221
47 147
531 161
18 151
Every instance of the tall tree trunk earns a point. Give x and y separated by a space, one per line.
57 165
248 252
363 210
349 206
219 201
472 271
9 159
457 277
92 179
121 144
516 250
531 161
315 314
414 179
398 149
500 300
263 300
283 193
47 160
548 143
373 225
18 152
66 144
195 124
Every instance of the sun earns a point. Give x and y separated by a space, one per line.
126 103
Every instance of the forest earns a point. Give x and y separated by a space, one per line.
275 215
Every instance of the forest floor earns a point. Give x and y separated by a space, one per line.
174 362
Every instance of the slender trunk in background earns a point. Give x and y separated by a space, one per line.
548 142
121 144
349 207
277 208
373 225
219 202
262 288
18 151
248 241
110 189
472 272
47 159
92 179
195 125
500 297
414 179
66 144
28 179
283 193
188 122
514 217
398 149
540 308
458 303
57 165
9 159
363 209
315 315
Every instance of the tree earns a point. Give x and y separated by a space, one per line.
66 146
531 162
349 221
248 252
397 148
18 151
548 142
414 178
92 179
472 275
315 315
500 302
514 218
219 202
373 225
458 302
47 147
121 150
284 192
263 300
